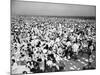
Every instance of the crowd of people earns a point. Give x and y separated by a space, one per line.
51 44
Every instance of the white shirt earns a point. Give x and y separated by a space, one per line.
75 47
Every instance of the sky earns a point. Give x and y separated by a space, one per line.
51 9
